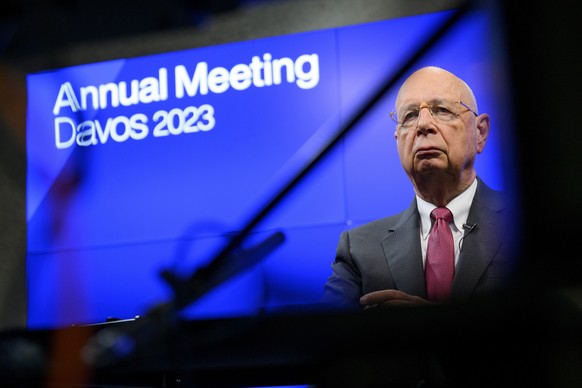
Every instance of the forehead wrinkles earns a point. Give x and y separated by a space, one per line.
425 87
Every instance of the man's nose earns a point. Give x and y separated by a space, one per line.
426 121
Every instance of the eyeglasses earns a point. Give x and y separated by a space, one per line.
442 112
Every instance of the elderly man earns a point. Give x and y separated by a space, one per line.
452 243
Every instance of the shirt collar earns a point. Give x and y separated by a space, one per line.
459 206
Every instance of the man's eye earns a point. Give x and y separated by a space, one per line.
443 112
409 116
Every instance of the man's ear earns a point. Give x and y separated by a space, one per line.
482 124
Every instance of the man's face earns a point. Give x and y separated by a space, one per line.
430 145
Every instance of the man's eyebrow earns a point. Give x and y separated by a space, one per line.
433 101
443 100
408 107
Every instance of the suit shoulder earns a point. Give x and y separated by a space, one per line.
381 225
493 198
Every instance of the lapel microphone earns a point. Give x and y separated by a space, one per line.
469 228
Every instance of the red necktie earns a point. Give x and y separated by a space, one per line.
440 256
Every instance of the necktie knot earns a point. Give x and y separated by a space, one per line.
442 212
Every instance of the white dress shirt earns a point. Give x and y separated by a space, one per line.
459 206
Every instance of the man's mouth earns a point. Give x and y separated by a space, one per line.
425 153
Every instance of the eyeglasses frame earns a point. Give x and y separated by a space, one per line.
394 117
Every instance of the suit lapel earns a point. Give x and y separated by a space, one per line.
479 246
403 253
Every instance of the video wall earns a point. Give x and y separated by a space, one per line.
141 165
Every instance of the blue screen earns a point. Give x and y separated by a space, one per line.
147 164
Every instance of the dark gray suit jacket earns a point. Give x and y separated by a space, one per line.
386 254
